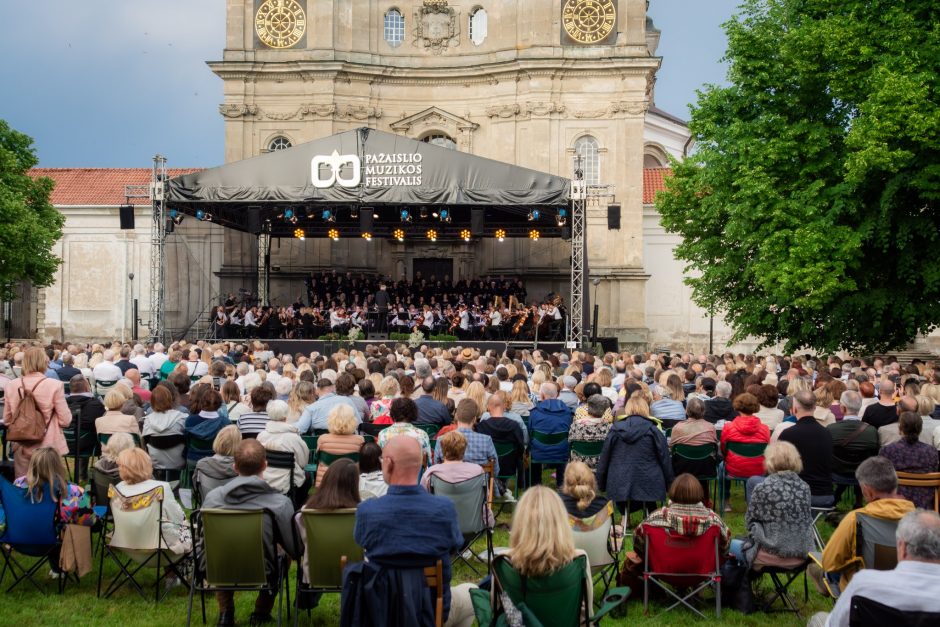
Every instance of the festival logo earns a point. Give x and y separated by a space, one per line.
333 166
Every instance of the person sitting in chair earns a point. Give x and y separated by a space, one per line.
249 491
906 587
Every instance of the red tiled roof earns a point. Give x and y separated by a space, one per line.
98 186
105 186
654 181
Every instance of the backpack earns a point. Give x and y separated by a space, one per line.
27 424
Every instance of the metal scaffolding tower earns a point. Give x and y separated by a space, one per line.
578 195
158 178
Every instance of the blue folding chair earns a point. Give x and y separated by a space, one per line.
32 531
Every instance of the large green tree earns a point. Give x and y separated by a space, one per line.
809 209
29 224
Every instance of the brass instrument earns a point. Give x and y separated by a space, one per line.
520 322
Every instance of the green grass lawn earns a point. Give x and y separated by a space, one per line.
79 605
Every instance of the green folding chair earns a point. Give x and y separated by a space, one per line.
311 442
104 437
430 429
698 453
588 449
548 439
559 599
329 547
221 569
749 450
503 451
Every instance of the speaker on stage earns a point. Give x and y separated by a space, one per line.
566 232
372 335
366 221
253 219
477 217
613 217
126 215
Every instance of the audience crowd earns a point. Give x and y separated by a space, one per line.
667 435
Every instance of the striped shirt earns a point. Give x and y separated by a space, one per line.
252 423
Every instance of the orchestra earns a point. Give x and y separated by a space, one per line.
467 310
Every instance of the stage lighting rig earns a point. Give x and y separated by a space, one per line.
299 234
354 212
562 217
203 216
534 215
176 216
328 215
333 234
500 235
534 235
367 236
290 216
405 215
423 213
399 234
445 216
465 235
432 235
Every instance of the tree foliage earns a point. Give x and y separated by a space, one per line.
29 224
809 209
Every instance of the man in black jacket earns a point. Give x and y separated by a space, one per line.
720 408
85 409
814 443
382 302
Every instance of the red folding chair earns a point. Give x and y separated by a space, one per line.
671 560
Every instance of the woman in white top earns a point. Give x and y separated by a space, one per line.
279 435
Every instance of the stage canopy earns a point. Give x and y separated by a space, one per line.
324 184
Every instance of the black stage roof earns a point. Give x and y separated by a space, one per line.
388 173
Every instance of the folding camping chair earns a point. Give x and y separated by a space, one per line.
83 445
32 531
559 599
864 612
137 542
876 543
166 443
698 457
782 577
682 562
600 544
220 569
743 449
283 460
587 449
470 499
329 547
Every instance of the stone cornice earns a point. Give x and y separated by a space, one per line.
493 73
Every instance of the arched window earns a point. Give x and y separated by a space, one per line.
478 26
394 28
439 139
279 143
587 148
654 156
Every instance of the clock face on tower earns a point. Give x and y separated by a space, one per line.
589 21
280 23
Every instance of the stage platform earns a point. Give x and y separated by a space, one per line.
325 347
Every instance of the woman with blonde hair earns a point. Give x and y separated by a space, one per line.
541 541
605 379
586 509
388 390
823 413
107 463
49 397
477 394
114 420
219 469
341 439
304 393
520 399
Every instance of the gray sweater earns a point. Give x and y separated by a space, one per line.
778 517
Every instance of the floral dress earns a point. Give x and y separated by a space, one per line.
587 429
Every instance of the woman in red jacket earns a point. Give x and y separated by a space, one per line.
746 429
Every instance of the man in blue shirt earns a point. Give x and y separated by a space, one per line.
431 411
315 414
549 416
480 449
406 524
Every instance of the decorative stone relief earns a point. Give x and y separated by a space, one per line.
437 26
324 110
614 108
238 110
433 118
531 109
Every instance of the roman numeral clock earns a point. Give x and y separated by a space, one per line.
280 23
591 22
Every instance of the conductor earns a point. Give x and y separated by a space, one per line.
381 305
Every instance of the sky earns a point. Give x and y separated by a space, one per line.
110 83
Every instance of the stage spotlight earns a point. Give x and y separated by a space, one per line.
354 212
465 235
405 215
534 235
299 234
204 216
289 214
434 214
176 216
432 235
333 234
328 215
399 234
424 213
534 215
562 217
367 236
445 216
500 234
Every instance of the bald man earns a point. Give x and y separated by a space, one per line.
409 528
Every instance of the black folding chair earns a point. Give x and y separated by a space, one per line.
284 460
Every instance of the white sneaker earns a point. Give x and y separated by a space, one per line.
509 498
54 575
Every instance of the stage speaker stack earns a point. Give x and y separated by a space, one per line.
477 217
374 335
366 221
126 215
613 217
